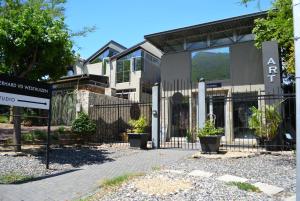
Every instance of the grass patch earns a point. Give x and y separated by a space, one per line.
14 178
117 181
156 168
245 186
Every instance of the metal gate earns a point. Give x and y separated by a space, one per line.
230 107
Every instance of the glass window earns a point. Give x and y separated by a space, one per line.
211 64
123 71
138 63
107 53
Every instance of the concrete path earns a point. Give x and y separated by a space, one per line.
76 184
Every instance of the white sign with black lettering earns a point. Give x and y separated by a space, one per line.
24 101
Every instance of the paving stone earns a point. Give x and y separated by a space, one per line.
268 189
231 178
292 198
200 173
175 171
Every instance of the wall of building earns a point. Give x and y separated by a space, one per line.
245 65
176 66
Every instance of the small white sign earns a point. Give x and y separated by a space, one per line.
24 101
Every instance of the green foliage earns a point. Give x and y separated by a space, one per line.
277 26
190 136
245 186
13 178
139 126
4 119
61 129
83 125
209 129
34 39
265 121
117 181
34 135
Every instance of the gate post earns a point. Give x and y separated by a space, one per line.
201 103
155 116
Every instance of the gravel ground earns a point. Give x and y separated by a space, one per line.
32 163
271 169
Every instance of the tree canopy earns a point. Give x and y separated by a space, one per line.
34 39
278 25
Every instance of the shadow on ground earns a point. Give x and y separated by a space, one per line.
76 157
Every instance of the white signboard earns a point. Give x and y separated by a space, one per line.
24 93
24 101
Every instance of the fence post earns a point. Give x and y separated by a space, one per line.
155 116
201 103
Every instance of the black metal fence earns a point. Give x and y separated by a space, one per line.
250 118
112 117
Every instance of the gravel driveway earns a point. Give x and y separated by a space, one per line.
278 170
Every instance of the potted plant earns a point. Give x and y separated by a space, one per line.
265 122
138 137
210 137
190 136
83 127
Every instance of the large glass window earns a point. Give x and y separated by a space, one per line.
124 65
123 71
211 64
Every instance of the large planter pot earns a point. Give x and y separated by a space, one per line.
210 144
138 140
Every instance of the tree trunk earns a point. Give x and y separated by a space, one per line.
17 128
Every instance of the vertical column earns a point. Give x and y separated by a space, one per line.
296 13
155 117
201 103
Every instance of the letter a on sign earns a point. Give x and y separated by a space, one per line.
271 61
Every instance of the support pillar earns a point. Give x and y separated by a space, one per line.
201 103
155 117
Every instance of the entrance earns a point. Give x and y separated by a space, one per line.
242 103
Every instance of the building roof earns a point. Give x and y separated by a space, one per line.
127 51
102 49
244 21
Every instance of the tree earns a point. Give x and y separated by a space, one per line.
35 43
278 25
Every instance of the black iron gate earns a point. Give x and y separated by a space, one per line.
229 108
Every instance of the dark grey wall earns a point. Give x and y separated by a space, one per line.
246 64
176 66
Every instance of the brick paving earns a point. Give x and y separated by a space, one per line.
71 186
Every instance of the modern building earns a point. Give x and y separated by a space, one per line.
131 72
224 54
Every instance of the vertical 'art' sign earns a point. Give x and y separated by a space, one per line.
271 65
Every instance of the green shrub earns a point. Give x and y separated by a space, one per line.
34 135
139 126
4 119
40 135
209 129
61 129
27 137
83 124
265 121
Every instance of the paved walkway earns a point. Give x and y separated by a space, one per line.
76 184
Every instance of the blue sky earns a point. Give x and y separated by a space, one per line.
127 21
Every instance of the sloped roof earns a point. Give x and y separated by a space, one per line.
110 44
159 39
